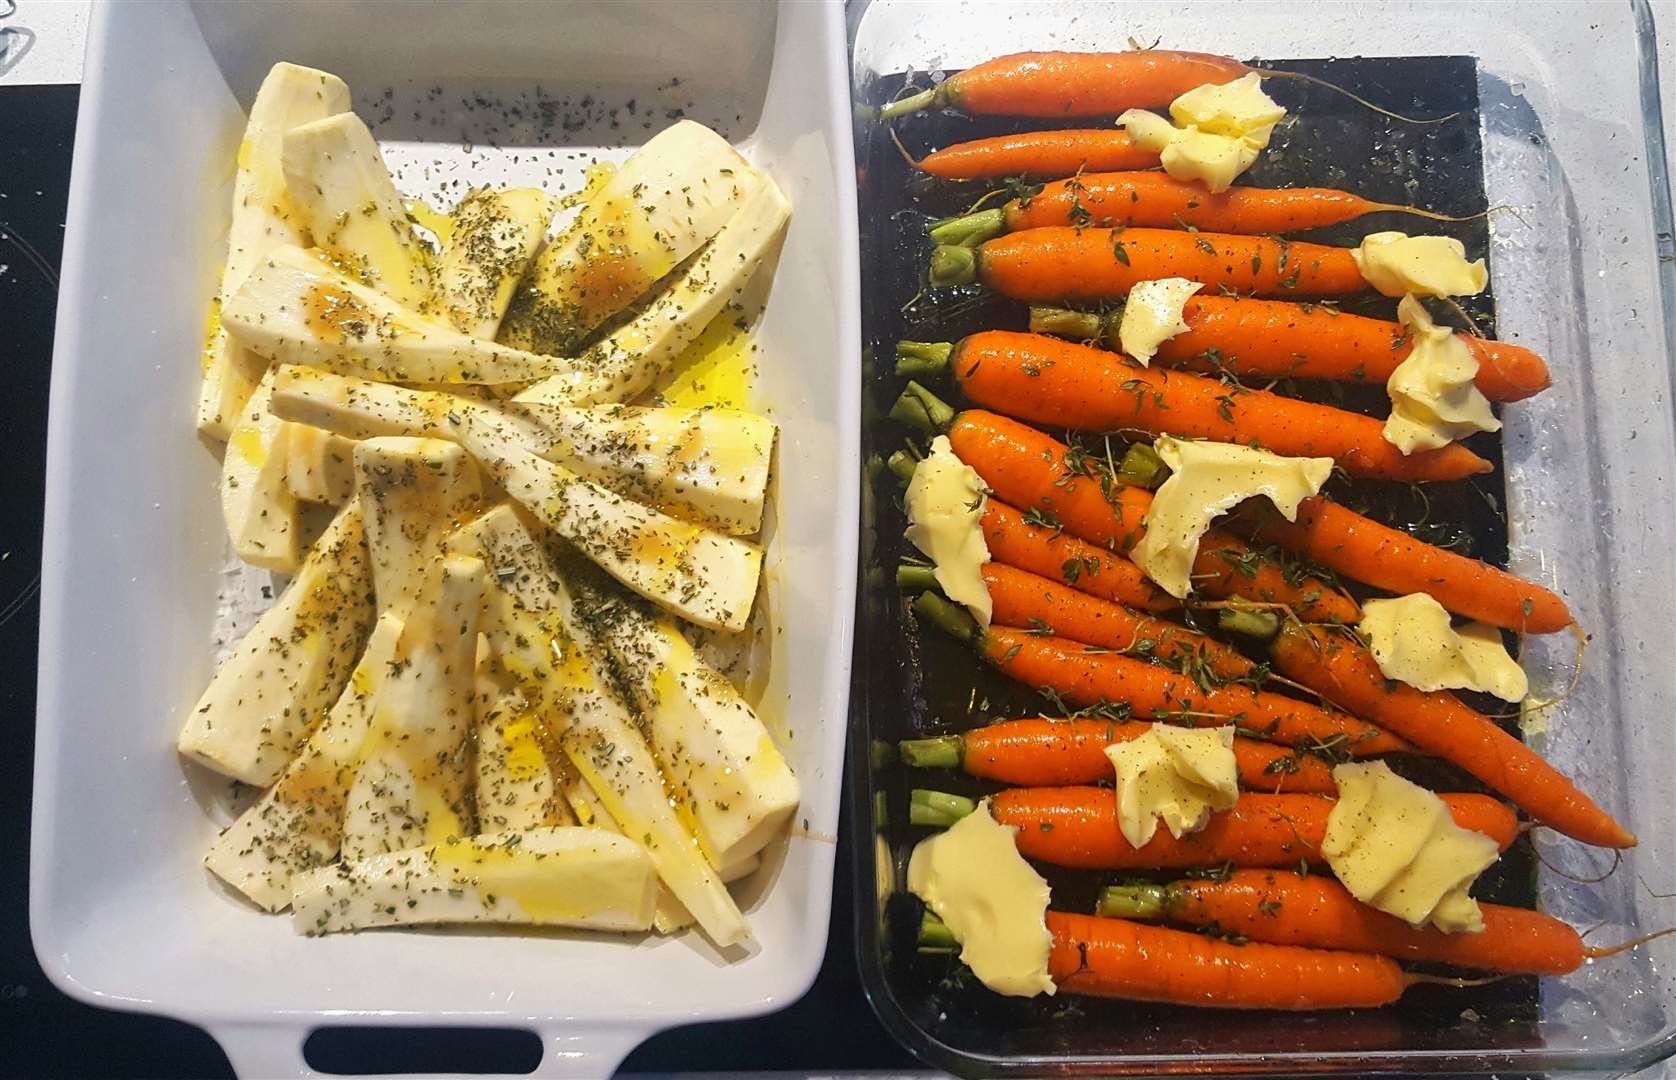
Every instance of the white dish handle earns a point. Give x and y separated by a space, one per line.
275 1052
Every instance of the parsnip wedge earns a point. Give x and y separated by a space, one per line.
298 823
295 308
709 741
495 234
257 506
338 182
409 786
672 917
702 575
665 201
630 359
291 666
514 787
319 466
263 219
565 876
412 492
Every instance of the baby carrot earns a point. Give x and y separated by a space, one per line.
1049 381
1081 264
1343 671
1058 556
1056 84
1284 908
1042 751
1038 153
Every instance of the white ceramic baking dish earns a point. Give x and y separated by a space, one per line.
122 912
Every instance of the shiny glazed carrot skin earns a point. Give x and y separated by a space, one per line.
1042 751
1057 556
1275 339
1025 467
1158 200
1077 827
1086 679
1050 381
1123 959
1438 723
1038 153
1057 84
1061 263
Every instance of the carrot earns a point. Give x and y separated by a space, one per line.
1123 959
1077 827
1071 490
1066 263
1390 559
1028 602
1055 84
1088 679
1061 557
1438 723
1042 751
1037 153
1283 908
1272 339
1049 381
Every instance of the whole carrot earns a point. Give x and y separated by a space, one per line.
1025 601
1054 84
1284 908
1158 200
1042 751
1343 671
1058 556
1086 679
1049 381
1070 490
1273 339
1077 827
1038 153
1081 264
1387 558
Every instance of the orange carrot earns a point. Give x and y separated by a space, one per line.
1049 381
1038 153
1283 908
1056 84
1028 602
1077 827
1159 200
1123 959
1042 751
1061 557
1070 490
1273 339
1067 263
1086 679
1438 723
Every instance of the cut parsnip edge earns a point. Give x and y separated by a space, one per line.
710 743
630 359
340 186
699 574
659 207
410 774
564 876
295 308
261 514
412 492
495 234
297 824
262 219
291 666
319 466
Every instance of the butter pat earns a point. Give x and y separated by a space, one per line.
992 901
1398 264
1412 641
1433 398
1189 154
1207 479
1395 847
1237 110
945 510
1177 775
1152 315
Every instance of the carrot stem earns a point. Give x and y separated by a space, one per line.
938 809
902 465
1142 467
949 618
935 936
952 265
923 359
967 230
1135 900
920 408
1262 625
939 752
934 98
912 578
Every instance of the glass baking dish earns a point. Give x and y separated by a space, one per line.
1583 269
